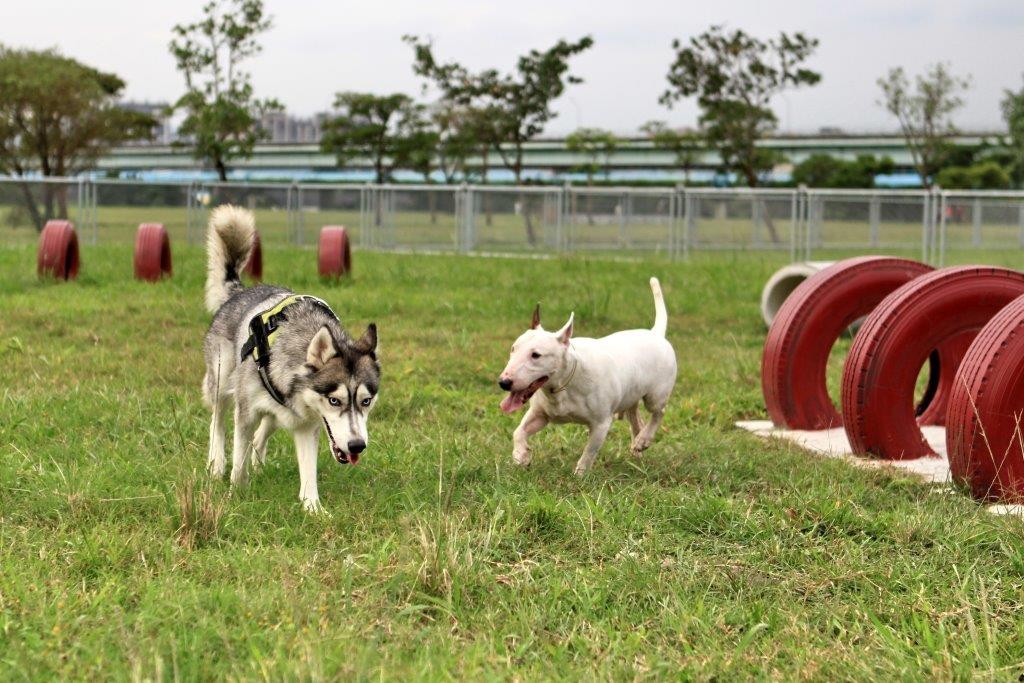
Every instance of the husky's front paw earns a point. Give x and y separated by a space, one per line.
216 468
522 457
640 444
313 507
239 476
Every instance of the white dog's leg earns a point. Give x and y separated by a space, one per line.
306 442
259 442
598 432
532 423
646 437
633 415
243 442
215 462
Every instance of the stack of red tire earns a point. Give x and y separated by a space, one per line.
967 322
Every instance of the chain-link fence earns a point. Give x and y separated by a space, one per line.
673 222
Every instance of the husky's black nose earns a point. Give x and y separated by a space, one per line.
356 446
505 384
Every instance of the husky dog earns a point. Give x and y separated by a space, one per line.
589 381
286 361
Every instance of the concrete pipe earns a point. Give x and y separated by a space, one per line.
782 283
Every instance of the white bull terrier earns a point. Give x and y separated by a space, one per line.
589 381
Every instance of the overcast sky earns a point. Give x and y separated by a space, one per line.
317 48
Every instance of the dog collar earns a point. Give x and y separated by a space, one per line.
263 328
572 373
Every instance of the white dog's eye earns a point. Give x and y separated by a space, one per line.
535 355
333 401
366 402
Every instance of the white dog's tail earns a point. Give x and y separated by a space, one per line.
660 314
229 241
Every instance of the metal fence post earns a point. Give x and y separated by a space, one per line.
976 223
874 219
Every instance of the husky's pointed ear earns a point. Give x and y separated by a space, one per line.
321 348
565 334
535 323
368 342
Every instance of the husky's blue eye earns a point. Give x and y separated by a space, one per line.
366 402
333 401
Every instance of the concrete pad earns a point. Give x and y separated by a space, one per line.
832 443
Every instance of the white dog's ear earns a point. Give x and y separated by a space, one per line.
565 334
535 323
321 348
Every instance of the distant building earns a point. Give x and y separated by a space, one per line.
285 128
164 132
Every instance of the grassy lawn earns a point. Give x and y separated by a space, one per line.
715 555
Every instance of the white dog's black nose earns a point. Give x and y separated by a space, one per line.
505 384
356 446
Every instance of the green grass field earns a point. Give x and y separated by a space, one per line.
714 556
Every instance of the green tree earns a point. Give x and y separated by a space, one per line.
1013 113
985 175
823 170
520 102
734 76
685 145
924 113
57 117
597 145
222 114
380 128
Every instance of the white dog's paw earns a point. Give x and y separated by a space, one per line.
581 470
216 468
522 458
313 507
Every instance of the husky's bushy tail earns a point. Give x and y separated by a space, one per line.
229 240
660 314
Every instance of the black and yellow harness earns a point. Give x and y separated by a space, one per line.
263 329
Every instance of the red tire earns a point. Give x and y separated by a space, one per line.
152 252
254 266
807 326
983 434
58 251
942 308
334 257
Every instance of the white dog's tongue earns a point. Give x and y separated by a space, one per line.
513 401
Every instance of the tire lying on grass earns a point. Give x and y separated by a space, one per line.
58 251
984 435
807 325
152 252
254 266
334 254
943 309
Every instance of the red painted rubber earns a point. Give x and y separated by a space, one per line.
334 257
152 252
807 326
58 251
983 433
254 266
880 374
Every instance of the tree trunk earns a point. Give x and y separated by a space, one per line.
524 206
31 206
752 182
222 170
486 198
